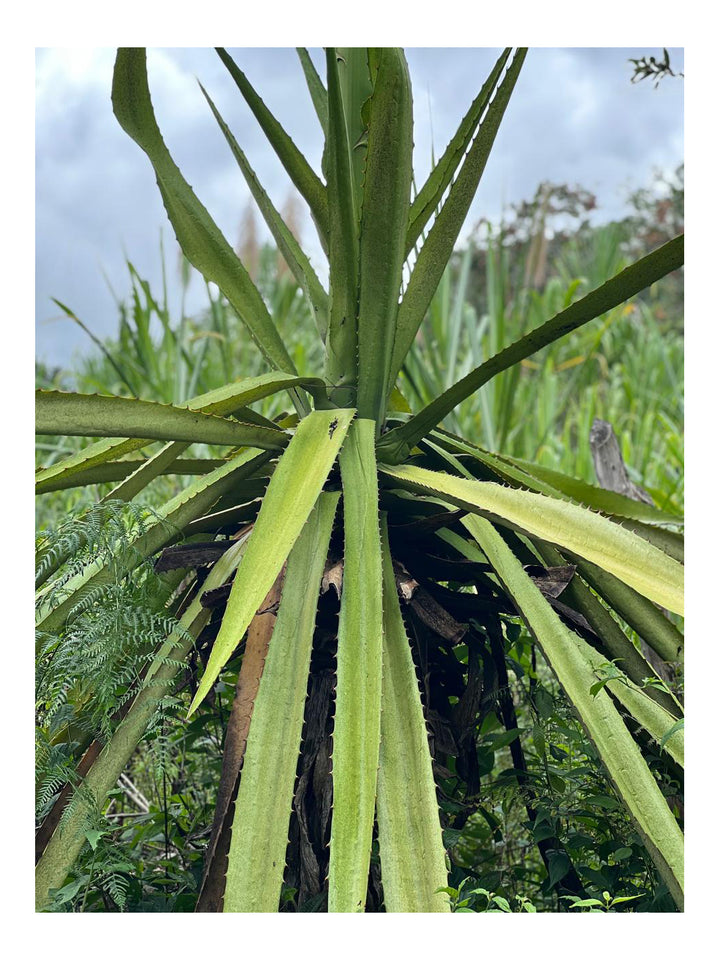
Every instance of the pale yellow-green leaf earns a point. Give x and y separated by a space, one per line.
586 534
412 856
356 737
291 494
256 862
636 701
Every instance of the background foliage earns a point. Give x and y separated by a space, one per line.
146 854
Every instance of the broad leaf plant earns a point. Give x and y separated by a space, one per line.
352 485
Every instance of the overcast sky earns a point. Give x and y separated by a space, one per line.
574 118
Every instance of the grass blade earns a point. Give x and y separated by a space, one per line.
99 344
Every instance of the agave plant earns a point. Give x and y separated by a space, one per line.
358 491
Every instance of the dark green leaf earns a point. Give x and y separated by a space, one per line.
429 196
297 167
318 93
440 241
386 202
558 867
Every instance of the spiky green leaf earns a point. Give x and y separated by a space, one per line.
607 501
297 261
386 203
412 855
256 862
356 68
356 737
586 534
318 93
616 645
639 704
230 398
66 843
343 237
171 520
291 494
636 610
430 194
118 470
299 170
554 484
440 241
90 415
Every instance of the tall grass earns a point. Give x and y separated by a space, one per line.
623 368
155 354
